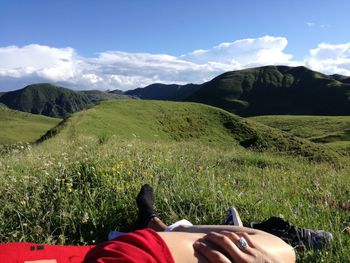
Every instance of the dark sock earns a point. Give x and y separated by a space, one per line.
144 201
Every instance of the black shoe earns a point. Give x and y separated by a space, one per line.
295 236
144 201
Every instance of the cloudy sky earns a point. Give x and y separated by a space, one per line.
117 44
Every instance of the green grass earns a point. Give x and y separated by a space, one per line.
150 121
75 192
157 121
275 90
331 130
77 186
19 126
46 99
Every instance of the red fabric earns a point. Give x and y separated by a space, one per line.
139 246
27 252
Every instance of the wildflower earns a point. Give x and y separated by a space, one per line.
118 188
347 230
85 218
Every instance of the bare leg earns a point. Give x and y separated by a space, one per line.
215 228
157 224
147 216
181 243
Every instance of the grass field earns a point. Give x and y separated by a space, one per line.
77 186
157 121
331 130
17 126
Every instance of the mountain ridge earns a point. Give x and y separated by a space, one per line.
55 101
156 121
271 90
159 91
268 90
45 99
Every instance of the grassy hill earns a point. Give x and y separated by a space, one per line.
268 90
19 126
341 78
96 96
331 130
175 121
276 90
45 99
160 91
77 186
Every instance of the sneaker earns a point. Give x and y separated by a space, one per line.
232 217
295 236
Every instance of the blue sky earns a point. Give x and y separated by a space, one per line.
121 44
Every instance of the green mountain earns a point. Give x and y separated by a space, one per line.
266 90
45 99
179 121
341 78
276 90
96 96
160 91
17 126
116 91
334 131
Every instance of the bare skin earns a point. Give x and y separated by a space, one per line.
157 224
219 244
215 244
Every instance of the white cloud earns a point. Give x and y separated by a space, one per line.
45 62
313 24
20 66
240 53
330 59
122 70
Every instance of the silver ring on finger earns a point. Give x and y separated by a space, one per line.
242 243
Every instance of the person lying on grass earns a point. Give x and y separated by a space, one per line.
184 243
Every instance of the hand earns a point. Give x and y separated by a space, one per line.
229 251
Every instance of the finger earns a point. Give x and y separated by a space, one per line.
248 238
235 236
209 253
227 245
254 244
235 239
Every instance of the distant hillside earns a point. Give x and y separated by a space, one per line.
341 78
95 96
268 90
166 121
46 99
19 126
331 130
116 91
276 90
160 91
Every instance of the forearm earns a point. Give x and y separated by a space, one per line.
215 228
270 244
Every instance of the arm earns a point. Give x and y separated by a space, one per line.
181 244
228 249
